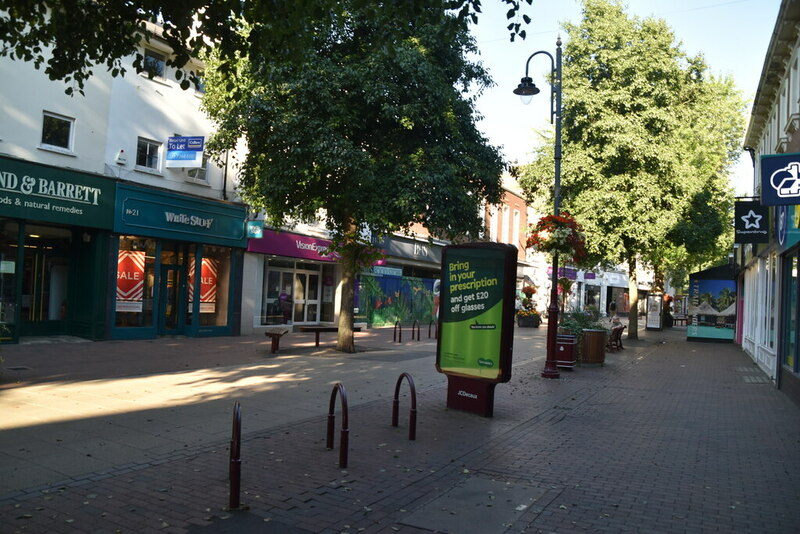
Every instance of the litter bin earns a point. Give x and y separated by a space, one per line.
565 351
594 346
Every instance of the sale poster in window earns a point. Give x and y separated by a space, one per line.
208 285
130 280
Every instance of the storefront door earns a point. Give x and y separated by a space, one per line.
306 297
169 317
43 303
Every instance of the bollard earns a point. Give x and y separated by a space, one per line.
343 441
235 470
394 335
415 323
435 330
412 419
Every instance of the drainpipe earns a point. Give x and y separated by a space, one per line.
225 178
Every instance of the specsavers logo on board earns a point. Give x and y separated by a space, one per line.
780 179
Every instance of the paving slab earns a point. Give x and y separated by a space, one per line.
476 505
667 436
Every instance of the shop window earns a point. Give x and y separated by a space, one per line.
155 64
148 154
277 297
771 310
135 278
277 262
493 223
270 312
199 173
213 285
506 225
57 131
9 235
328 291
592 299
790 316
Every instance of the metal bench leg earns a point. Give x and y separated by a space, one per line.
317 338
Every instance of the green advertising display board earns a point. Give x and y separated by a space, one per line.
476 317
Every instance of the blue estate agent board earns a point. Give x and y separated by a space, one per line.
780 179
160 214
185 152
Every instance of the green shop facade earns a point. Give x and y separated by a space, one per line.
85 255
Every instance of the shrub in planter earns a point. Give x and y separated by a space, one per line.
575 323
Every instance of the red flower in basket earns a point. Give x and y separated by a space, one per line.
558 234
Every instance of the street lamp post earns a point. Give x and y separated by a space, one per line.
526 90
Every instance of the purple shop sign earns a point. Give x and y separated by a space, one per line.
292 245
564 272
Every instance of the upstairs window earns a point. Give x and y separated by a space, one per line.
148 154
155 64
57 131
200 173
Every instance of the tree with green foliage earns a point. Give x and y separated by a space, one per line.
648 140
70 38
368 136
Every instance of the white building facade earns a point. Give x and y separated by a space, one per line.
769 283
101 235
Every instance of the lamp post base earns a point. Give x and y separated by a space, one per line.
551 373
550 366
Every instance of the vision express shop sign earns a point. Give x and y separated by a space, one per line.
476 317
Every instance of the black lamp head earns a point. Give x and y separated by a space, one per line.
526 87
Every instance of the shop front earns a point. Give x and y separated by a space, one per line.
298 279
54 228
787 232
177 265
405 287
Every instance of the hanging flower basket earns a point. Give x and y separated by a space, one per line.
559 234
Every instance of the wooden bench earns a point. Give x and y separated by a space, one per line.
318 329
679 319
615 339
275 334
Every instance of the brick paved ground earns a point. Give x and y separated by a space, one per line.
668 436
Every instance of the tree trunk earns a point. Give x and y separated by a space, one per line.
658 279
345 341
633 300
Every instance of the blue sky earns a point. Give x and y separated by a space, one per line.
733 35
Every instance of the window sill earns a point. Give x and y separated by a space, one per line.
792 123
197 182
159 81
148 170
57 150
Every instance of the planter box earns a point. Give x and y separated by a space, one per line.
529 322
594 346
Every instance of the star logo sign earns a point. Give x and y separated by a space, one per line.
752 220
